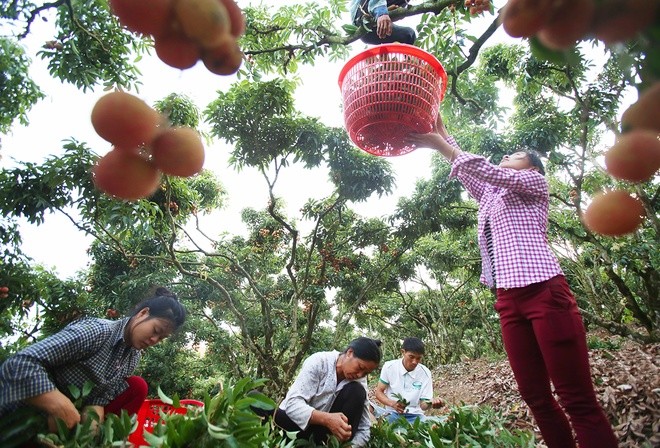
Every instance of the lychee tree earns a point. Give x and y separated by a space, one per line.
278 277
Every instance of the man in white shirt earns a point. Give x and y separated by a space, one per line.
405 386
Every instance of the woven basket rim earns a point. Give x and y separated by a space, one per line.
395 49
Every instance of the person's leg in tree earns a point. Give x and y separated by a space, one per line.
401 34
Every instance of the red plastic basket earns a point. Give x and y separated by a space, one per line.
149 415
390 91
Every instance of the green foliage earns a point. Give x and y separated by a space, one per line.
463 426
111 433
543 127
435 205
39 304
401 399
12 10
357 175
33 190
91 47
228 420
20 426
18 92
312 27
174 367
178 200
259 119
597 343
179 110
210 193
78 395
10 242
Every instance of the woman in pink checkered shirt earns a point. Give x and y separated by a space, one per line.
542 328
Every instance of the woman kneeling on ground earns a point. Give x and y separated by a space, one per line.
90 350
329 395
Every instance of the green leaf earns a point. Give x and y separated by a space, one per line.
87 388
164 398
153 439
109 429
218 432
349 29
258 400
568 57
74 391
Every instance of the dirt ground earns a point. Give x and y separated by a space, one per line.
627 380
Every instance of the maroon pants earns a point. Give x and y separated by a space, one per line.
545 341
131 399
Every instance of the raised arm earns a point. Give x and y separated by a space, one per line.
438 139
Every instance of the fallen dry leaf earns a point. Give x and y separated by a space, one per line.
627 382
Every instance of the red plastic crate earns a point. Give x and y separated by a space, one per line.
149 415
388 92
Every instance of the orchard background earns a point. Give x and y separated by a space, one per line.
312 256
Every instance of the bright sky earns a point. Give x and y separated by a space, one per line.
65 114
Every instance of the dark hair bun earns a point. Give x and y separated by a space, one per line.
366 348
164 292
164 304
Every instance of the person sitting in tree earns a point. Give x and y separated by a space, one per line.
368 12
405 386
100 352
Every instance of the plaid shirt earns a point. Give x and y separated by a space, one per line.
515 202
89 349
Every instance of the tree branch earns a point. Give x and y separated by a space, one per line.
36 11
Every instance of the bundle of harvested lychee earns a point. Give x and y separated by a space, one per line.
144 147
187 31
635 157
